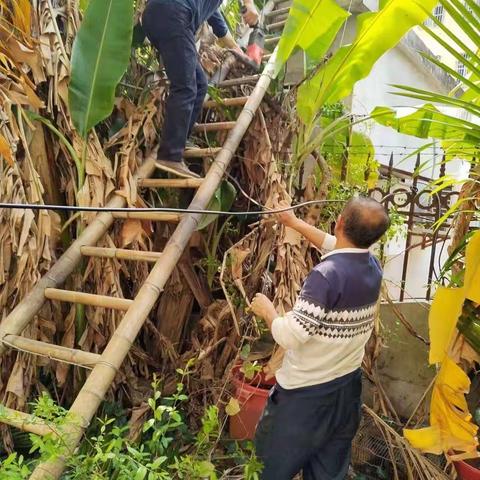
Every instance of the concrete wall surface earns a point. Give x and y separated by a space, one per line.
403 363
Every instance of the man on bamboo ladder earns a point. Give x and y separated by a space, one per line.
171 25
313 412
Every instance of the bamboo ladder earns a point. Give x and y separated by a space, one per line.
105 366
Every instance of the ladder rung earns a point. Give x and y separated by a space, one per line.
55 352
201 152
277 12
25 422
153 216
88 299
121 254
214 127
276 25
233 82
272 40
170 182
267 56
226 102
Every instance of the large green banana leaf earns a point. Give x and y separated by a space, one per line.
377 32
312 25
459 136
101 52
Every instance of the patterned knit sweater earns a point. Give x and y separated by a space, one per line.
325 334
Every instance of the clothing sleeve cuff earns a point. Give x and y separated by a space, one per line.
329 242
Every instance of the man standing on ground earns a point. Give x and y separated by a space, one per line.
313 411
171 25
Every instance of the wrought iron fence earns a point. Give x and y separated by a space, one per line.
415 198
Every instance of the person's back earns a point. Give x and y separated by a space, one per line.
333 316
313 411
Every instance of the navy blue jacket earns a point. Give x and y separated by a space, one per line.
207 11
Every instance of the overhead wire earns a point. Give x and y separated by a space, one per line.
75 208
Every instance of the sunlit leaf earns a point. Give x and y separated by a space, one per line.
311 25
428 122
451 428
444 313
472 270
377 32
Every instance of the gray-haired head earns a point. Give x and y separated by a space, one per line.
363 222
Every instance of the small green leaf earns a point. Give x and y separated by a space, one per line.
141 473
233 407
221 201
245 352
206 469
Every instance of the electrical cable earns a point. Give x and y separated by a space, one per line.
72 208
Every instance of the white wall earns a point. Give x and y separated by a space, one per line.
399 67
395 67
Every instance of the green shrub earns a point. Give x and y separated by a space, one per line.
165 450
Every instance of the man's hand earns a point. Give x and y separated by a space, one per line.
250 15
288 218
263 307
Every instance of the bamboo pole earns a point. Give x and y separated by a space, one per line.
233 82
200 152
24 312
121 254
272 40
25 422
103 301
276 26
100 379
277 12
153 216
55 352
214 126
170 182
226 102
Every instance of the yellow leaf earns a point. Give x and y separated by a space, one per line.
22 15
472 271
5 151
425 439
444 312
233 407
450 411
451 423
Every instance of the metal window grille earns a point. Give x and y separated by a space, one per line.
438 13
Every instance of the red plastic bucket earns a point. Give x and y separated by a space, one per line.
466 471
252 396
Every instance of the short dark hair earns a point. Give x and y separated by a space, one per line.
365 221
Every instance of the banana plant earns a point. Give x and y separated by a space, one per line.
377 32
335 76
100 56
101 52
312 25
458 134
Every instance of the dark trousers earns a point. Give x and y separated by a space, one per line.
169 27
310 429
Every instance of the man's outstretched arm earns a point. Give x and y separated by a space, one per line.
317 237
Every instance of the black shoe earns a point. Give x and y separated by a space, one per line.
177 168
